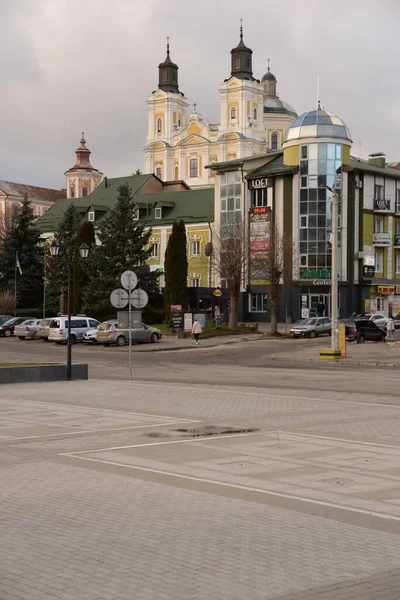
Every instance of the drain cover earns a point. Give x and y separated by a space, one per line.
366 460
242 465
338 482
209 430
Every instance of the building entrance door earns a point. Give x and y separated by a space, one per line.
319 303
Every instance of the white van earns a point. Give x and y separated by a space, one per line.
79 325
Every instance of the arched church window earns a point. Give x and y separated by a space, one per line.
159 172
176 173
72 191
255 114
159 125
274 141
194 167
233 112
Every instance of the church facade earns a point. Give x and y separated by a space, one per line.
180 143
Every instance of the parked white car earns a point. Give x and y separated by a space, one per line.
79 326
91 336
27 330
379 320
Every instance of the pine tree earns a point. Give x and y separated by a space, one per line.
176 268
124 244
58 271
85 235
22 240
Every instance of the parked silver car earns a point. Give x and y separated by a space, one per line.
109 333
91 335
44 330
311 327
27 330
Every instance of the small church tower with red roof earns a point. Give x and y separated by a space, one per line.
82 178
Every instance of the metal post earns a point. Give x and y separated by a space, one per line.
44 284
69 352
335 214
130 328
15 285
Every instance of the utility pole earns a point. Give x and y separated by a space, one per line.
334 308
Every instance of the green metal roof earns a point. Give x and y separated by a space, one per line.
366 167
218 166
274 166
193 206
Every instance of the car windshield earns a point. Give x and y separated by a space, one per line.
11 321
308 322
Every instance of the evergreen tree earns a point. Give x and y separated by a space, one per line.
85 235
124 244
21 241
176 268
58 266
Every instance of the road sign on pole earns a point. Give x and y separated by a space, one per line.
119 298
129 280
139 298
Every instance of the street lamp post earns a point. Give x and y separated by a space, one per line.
334 309
84 253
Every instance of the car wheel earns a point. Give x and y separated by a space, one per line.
34 335
21 337
73 339
383 337
121 340
361 339
59 343
313 334
106 345
154 338
7 333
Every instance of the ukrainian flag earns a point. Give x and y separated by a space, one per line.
18 265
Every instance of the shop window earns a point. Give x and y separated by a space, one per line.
257 302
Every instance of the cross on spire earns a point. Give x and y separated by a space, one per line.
167 45
241 28
268 63
194 107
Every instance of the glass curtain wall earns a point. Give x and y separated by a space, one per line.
320 166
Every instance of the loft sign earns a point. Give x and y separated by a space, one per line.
261 182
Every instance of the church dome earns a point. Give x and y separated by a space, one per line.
269 77
274 105
317 124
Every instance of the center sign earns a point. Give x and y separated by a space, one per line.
261 182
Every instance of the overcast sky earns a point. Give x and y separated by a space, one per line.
69 66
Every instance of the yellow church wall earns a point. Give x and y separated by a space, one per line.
174 120
194 129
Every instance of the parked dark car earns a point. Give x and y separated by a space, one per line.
7 328
363 330
4 318
396 319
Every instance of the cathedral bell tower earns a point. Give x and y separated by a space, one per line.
241 60
82 178
167 114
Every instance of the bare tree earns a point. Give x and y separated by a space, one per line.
274 265
230 260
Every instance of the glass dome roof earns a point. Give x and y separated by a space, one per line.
317 123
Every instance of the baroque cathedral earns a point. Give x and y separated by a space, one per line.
253 120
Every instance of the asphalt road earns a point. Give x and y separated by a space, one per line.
245 363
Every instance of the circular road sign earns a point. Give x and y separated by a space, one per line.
129 280
139 298
119 298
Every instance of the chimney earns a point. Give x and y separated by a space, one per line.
105 181
377 159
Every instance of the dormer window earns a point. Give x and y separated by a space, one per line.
91 215
158 213
233 113
136 215
159 125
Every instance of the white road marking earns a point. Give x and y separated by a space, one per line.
200 439
333 439
244 487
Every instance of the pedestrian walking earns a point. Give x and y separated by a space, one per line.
390 330
196 331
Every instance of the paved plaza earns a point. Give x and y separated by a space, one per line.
112 491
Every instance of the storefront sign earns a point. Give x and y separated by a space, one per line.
386 290
381 239
188 321
397 240
261 182
176 308
322 282
259 234
321 274
382 204
217 292
258 210
177 322
368 271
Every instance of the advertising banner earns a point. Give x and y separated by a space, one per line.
259 233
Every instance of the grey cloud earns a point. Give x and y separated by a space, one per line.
89 65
